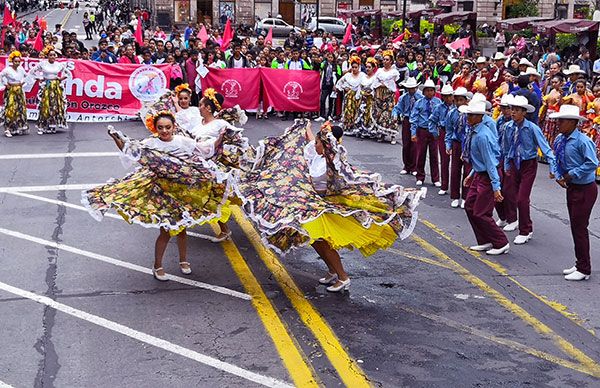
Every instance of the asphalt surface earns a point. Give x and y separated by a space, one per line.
78 306
424 314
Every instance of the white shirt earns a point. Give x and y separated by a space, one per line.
179 146
188 118
49 71
10 76
349 81
386 78
211 129
317 167
238 63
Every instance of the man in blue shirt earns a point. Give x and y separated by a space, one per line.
482 151
421 134
506 214
437 125
577 162
456 126
402 112
520 163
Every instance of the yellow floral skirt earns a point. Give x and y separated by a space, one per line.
52 106
15 111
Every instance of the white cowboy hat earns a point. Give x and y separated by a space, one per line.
521 102
573 69
481 97
524 61
532 71
481 60
499 56
506 100
567 112
473 107
447 90
463 92
411 82
428 84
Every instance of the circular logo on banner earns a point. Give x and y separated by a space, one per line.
293 90
147 83
231 88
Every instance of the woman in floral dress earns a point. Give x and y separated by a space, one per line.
384 87
14 114
350 84
365 115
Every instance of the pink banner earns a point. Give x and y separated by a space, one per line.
291 90
238 86
102 92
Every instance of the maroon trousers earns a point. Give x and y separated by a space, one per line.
480 209
444 160
517 187
409 149
427 142
580 201
505 212
458 172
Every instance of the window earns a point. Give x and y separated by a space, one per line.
182 11
280 23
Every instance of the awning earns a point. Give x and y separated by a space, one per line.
517 24
453 17
345 13
445 3
569 26
424 13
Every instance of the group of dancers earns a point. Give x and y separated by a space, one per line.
52 101
297 188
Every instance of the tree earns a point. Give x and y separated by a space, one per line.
522 9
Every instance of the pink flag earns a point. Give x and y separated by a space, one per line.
348 35
227 35
203 35
38 45
460 44
8 16
269 37
399 38
139 33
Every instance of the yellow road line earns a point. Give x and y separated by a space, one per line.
290 352
348 370
504 272
590 366
66 18
418 258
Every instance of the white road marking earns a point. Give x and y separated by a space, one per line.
59 155
4 385
85 186
124 264
148 339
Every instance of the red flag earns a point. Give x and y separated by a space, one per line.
203 35
399 38
139 33
348 35
269 37
460 44
38 44
8 16
227 35
43 24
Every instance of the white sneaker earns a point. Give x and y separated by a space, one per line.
319 119
577 276
501 223
482 247
438 184
511 227
569 271
455 203
393 142
462 204
499 251
40 132
442 192
403 172
414 173
520 239
7 134
419 183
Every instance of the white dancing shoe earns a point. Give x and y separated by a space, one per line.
414 173
185 267
438 184
511 227
501 223
40 132
330 278
499 251
442 192
403 172
520 239
162 278
393 142
344 286
569 271
577 276
7 134
455 203
462 203
482 247
419 183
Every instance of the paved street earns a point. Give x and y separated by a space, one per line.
79 307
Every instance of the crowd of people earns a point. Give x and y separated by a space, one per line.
433 99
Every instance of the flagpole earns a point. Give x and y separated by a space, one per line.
403 15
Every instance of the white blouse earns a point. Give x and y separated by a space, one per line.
349 81
317 167
179 146
212 129
188 118
386 78
49 71
10 76
367 83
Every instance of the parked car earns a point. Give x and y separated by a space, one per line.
280 27
335 26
